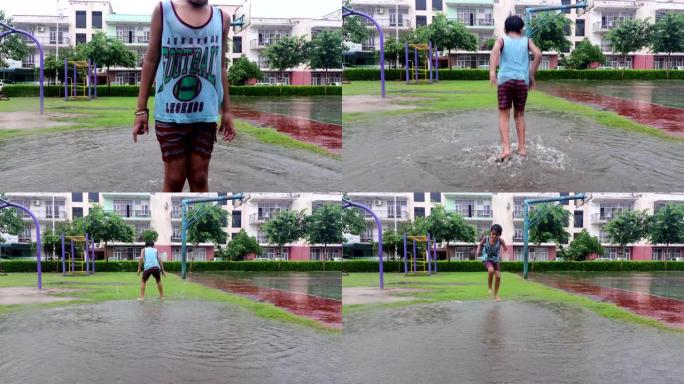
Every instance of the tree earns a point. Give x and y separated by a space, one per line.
324 226
240 246
12 47
243 70
10 222
150 235
108 52
582 246
666 226
489 44
288 52
628 227
207 225
353 221
630 36
286 227
354 29
394 49
104 227
549 32
585 54
550 222
446 226
393 241
326 51
667 35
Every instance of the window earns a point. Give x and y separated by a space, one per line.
421 5
579 27
97 19
397 211
80 38
80 19
419 212
56 210
237 219
193 253
274 253
437 5
435 197
175 232
419 197
662 254
237 44
579 219
76 212
94 197
28 61
77 197
421 20
566 2
567 30
617 253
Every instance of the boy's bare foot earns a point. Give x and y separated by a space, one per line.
498 298
489 291
503 157
522 153
140 299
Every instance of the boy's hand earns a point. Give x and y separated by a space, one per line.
227 127
163 273
138 272
533 84
492 78
140 126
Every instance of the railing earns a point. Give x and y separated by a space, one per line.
256 44
604 217
475 22
263 217
475 214
390 22
132 214
600 26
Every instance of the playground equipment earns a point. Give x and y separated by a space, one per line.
431 62
346 12
6 30
185 223
582 8
583 199
87 255
346 203
242 18
8 204
429 259
89 83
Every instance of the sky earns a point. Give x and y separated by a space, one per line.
260 8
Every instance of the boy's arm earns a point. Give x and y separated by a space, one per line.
226 118
150 64
535 62
161 264
479 246
140 261
494 61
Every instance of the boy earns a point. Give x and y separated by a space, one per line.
153 266
490 246
514 79
191 89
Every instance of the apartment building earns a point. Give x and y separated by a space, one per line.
78 20
162 213
484 209
486 18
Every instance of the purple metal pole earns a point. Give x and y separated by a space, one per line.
95 75
428 253
66 81
429 60
6 204
86 253
11 30
415 64
406 62
414 256
405 262
74 82
63 261
346 11
349 203
90 77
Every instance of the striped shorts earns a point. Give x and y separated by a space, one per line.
512 92
179 140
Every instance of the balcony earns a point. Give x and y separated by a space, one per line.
476 23
260 218
615 4
44 40
474 214
367 47
175 238
22 238
609 25
261 44
600 218
134 214
389 22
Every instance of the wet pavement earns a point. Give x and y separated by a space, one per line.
507 342
171 342
658 103
456 150
317 120
658 295
108 160
317 296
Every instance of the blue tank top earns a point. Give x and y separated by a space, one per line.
151 258
189 86
515 60
491 252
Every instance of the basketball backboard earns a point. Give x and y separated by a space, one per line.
580 202
239 202
242 17
583 11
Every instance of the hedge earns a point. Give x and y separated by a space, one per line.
361 74
31 90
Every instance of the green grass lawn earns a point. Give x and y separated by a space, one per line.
464 286
117 112
479 94
111 286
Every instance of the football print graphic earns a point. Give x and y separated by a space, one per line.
187 88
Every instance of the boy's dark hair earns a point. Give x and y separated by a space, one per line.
149 243
496 228
514 23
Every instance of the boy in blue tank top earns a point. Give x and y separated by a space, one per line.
514 80
490 248
186 59
152 265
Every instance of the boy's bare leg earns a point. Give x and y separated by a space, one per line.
496 285
142 290
490 275
503 129
198 177
161 290
519 117
174 175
